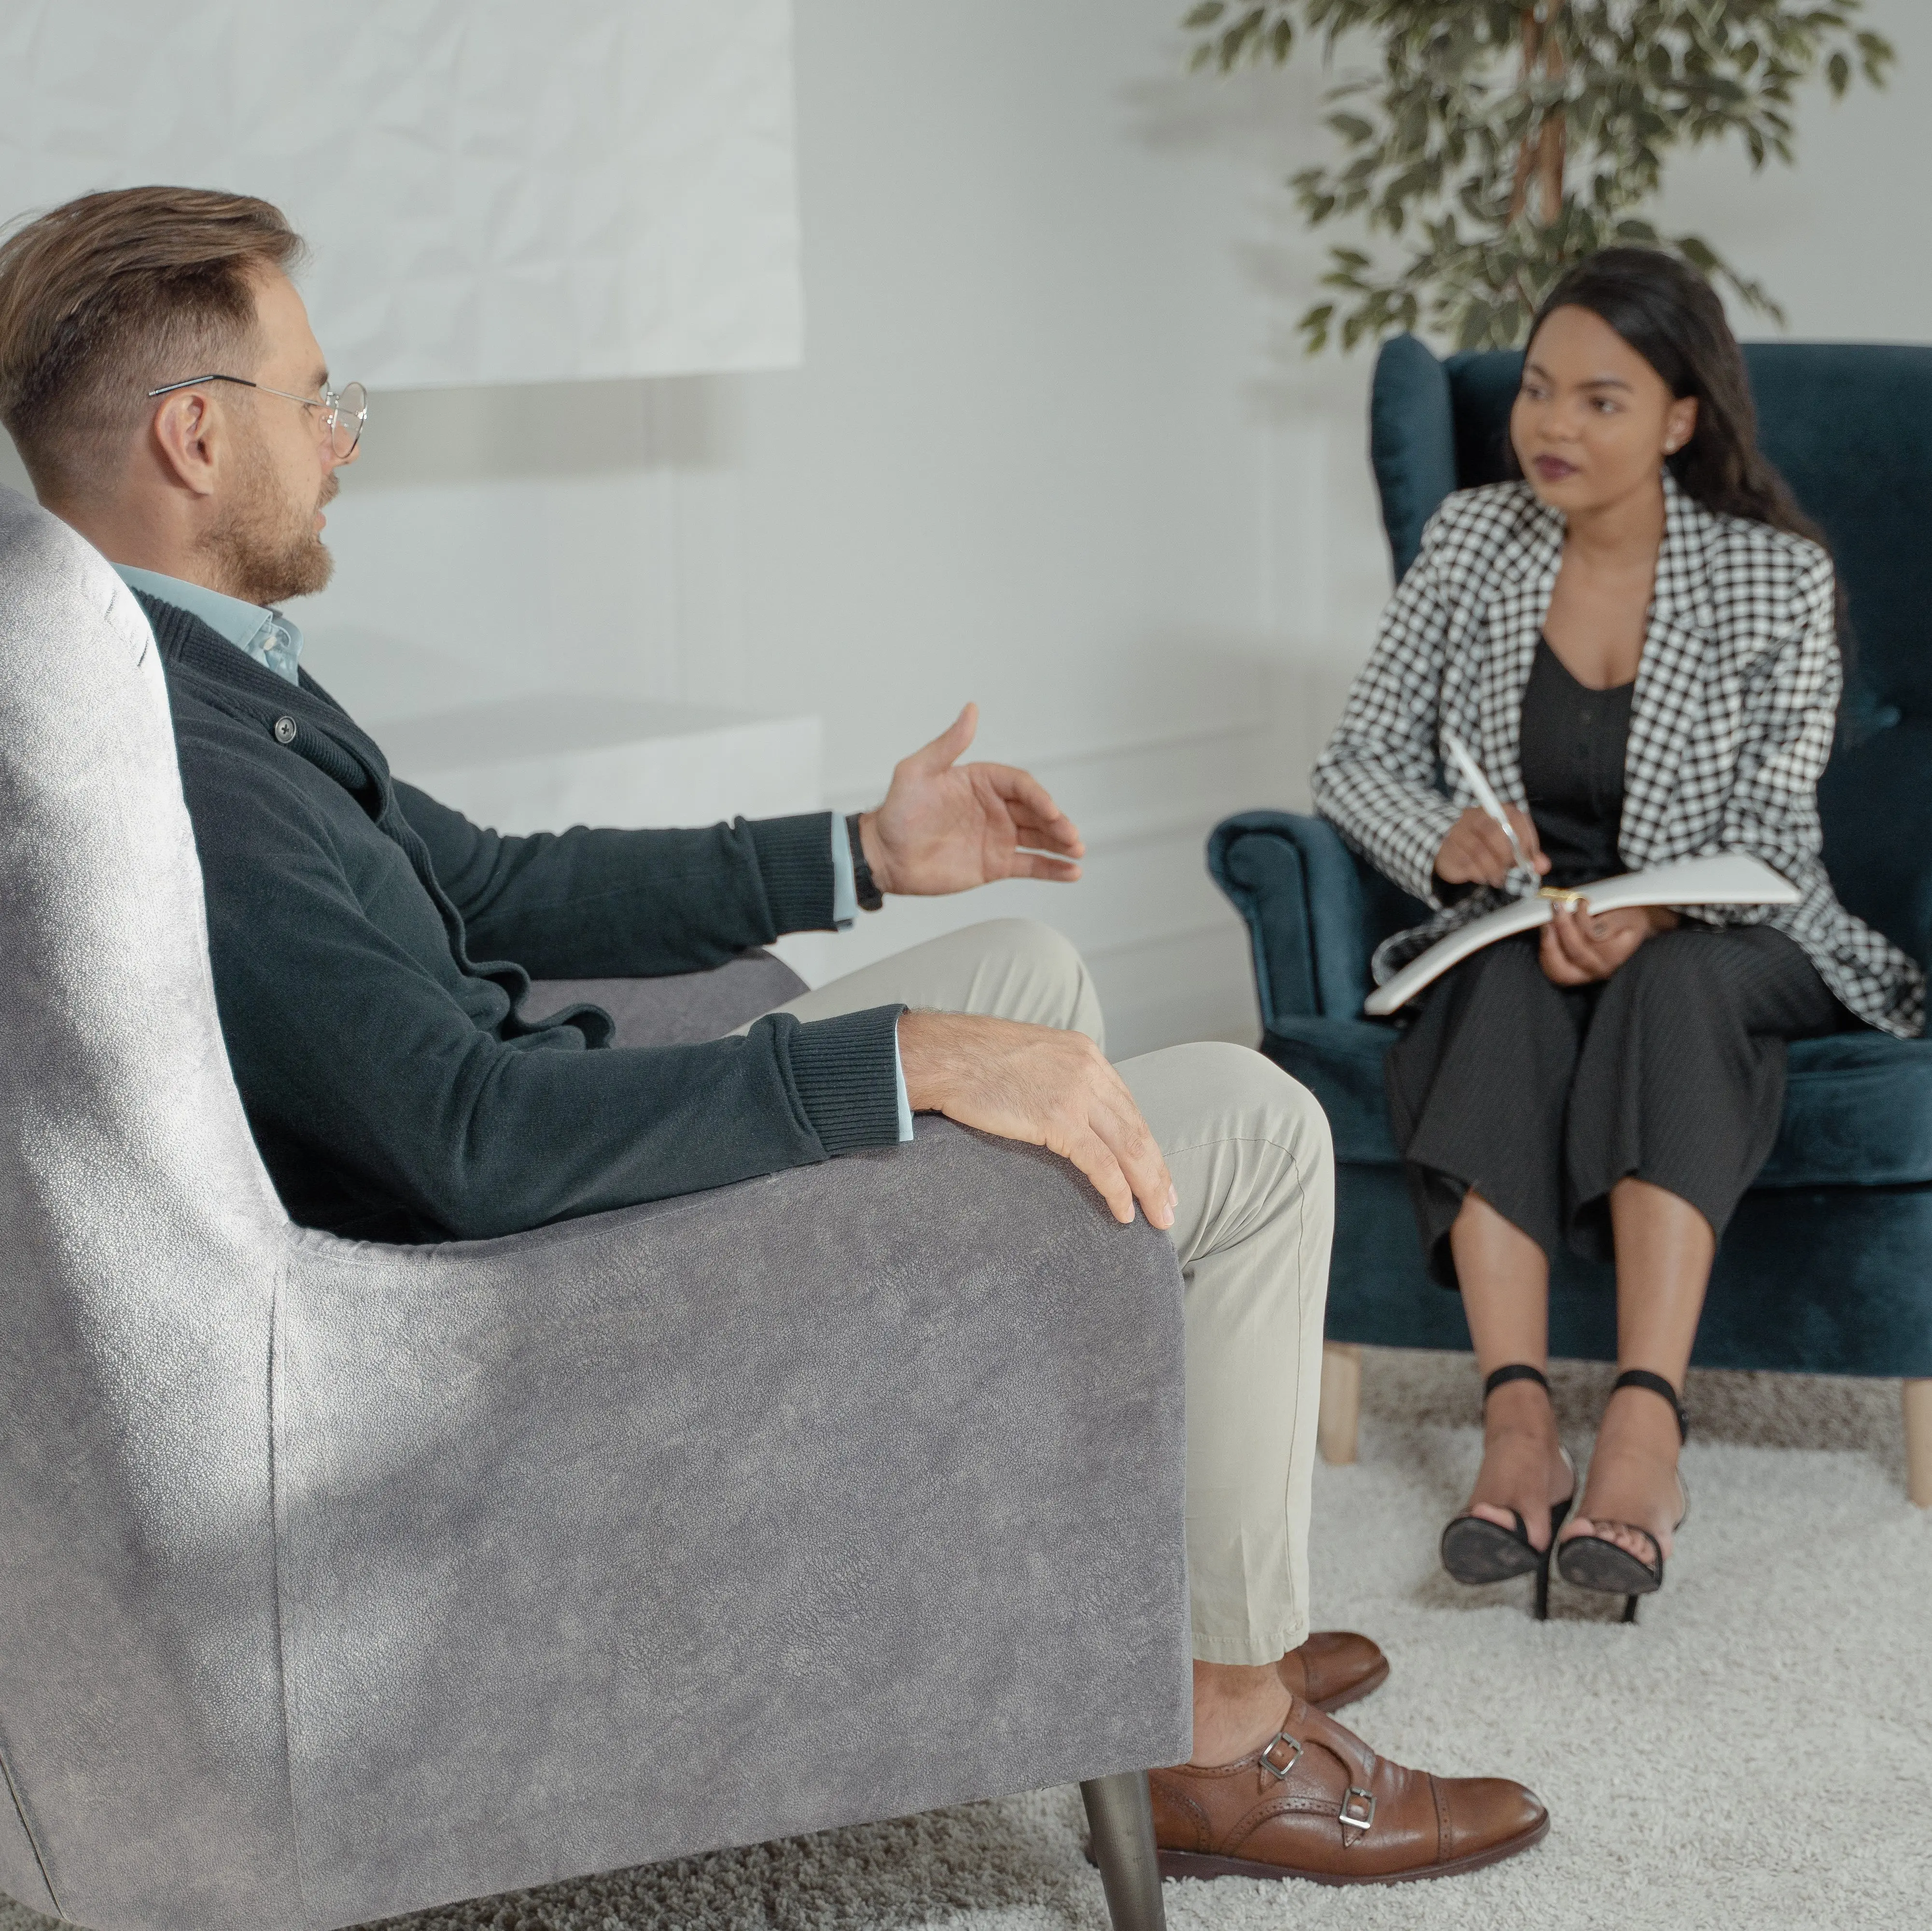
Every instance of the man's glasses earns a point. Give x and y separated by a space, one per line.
344 410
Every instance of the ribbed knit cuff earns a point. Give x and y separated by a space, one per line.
847 1072
795 862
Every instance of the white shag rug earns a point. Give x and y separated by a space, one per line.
1757 1751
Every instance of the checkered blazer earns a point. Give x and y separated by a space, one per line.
1731 723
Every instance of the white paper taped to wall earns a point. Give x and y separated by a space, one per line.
492 191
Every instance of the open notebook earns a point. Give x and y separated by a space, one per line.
1728 879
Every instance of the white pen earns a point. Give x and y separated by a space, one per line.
1472 772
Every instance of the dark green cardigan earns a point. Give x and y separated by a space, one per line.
392 1089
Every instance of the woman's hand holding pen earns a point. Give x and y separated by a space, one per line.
1476 852
1580 947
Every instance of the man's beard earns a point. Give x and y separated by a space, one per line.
266 549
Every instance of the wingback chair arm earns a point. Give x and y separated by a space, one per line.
838 1495
1293 881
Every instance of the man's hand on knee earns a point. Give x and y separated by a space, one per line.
946 827
1048 1088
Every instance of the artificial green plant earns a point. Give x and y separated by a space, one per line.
1500 141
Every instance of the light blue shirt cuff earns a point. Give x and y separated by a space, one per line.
845 901
898 1073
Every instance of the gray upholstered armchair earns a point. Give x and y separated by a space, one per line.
340 1580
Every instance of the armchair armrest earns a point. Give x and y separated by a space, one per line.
1297 884
834 1496
681 1007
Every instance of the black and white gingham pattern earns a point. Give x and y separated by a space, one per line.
1731 723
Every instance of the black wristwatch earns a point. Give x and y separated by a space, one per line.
870 897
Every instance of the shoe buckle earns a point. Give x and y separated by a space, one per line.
1358 1809
1279 1772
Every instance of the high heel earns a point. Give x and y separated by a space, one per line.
1595 1562
1475 1550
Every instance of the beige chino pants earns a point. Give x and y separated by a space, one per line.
1250 1152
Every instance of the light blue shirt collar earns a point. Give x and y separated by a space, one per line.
266 636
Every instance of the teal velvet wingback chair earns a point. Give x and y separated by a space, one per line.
1827 1268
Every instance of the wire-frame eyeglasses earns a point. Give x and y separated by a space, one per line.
344 409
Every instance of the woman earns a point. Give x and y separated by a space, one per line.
1639 640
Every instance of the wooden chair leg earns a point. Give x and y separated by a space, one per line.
1919 1442
1120 1815
1341 1418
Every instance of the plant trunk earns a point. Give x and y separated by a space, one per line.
1541 156
1549 161
1526 156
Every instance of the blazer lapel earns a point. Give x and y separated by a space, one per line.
1668 702
1525 574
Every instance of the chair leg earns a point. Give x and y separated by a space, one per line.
1121 1815
1919 1442
1340 1422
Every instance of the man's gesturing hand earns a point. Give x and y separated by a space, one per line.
1051 1088
946 826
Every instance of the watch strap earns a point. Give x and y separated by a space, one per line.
865 888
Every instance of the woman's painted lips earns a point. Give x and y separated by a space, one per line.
1554 469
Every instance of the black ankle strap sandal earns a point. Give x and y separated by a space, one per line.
1476 1550
1655 1384
1517 1370
1594 1562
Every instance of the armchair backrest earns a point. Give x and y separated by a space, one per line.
1850 424
140 1243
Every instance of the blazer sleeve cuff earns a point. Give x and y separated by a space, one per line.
1420 841
794 856
847 1071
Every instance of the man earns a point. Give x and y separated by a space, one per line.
372 951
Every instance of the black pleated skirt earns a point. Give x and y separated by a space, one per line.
1542 1097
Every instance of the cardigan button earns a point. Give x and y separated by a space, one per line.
285 731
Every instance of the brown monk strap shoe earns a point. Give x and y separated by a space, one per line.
1317 1802
1333 1667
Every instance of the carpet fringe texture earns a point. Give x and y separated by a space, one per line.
1758 1751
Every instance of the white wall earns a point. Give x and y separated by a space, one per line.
493 192
1053 446
1030 459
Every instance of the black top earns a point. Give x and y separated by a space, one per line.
1571 751
372 948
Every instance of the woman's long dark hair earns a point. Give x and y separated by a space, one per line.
1671 315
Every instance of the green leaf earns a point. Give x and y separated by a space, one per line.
1429 110
1234 41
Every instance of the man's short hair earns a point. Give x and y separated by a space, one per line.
105 297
